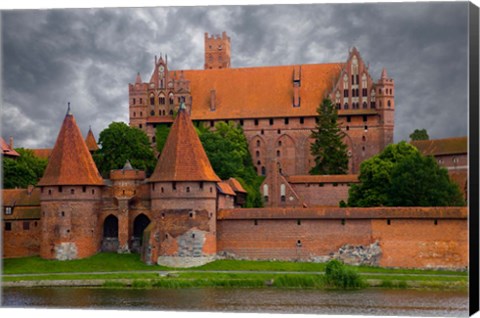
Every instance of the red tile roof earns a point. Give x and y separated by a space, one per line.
24 213
341 178
20 197
91 142
225 188
447 146
6 150
70 162
260 91
42 153
183 157
235 185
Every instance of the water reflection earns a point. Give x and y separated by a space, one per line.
367 302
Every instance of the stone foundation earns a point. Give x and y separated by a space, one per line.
184 262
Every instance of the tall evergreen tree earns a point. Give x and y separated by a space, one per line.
328 149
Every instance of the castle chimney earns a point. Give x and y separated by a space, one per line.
212 100
11 142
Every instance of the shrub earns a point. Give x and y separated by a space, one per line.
337 275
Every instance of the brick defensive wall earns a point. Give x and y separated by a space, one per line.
431 237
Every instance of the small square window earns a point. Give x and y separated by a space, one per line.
8 226
8 210
26 225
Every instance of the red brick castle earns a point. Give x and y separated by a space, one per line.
184 215
276 106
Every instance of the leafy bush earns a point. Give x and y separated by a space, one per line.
337 275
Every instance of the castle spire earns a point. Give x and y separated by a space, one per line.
384 73
90 141
127 166
138 78
69 113
183 157
70 162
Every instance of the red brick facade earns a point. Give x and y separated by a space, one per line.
407 237
278 112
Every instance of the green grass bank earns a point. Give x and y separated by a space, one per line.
111 270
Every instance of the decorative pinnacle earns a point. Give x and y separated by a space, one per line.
68 110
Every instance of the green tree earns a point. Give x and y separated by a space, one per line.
161 134
337 275
23 171
419 181
119 143
227 150
328 149
419 134
401 176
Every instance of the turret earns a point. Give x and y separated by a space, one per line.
217 51
183 170
91 142
183 191
70 198
385 92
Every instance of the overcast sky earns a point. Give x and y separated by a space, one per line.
88 57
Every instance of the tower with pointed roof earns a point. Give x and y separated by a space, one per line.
91 142
71 190
184 186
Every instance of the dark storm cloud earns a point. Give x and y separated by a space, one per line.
89 56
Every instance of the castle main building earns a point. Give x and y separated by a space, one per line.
276 105
184 215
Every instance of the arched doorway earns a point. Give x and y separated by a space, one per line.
139 225
110 234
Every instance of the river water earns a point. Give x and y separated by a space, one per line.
266 300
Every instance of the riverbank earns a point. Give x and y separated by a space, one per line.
108 270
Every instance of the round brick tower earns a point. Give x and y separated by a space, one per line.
71 191
183 194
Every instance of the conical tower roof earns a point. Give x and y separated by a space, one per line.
90 141
183 157
384 73
138 79
70 162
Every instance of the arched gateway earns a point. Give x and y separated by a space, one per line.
140 223
110 234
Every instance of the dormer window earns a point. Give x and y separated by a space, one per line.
8 210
